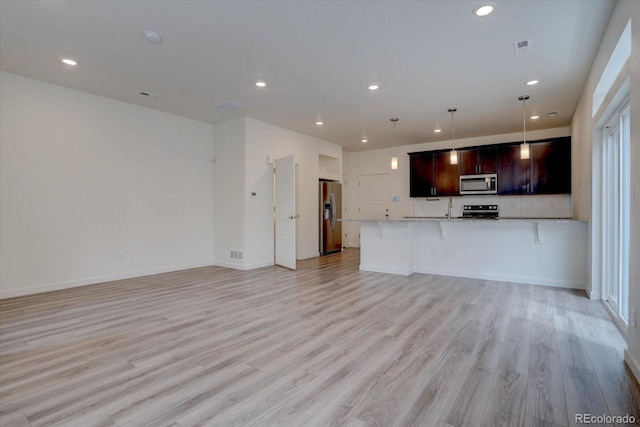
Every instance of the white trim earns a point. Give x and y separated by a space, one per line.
609 125
633 364
242 266
309 255
96 280
594 296
619 57
398 271
506 278
617 320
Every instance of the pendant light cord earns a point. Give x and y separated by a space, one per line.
394 120
524 121
453 135
524 98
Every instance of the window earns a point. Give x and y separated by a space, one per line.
615 212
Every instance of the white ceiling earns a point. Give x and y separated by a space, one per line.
318 57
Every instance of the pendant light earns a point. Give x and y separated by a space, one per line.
524 148
453 156
394 159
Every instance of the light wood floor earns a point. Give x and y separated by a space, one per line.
324 345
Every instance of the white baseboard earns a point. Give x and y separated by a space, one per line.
309 255
376 269
595 296
505 278
633 364
242 266
95 280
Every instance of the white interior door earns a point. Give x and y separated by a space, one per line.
374 196
373 200
285 212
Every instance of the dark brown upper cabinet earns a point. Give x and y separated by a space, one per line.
447 176
480 160
421 174
548 171
513 172
551 167
432 175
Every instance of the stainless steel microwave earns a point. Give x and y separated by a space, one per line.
479 184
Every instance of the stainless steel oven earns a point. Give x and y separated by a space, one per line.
479 184
480 212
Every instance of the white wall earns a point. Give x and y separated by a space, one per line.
245 222
584 131
266 140
378 162
93 189
229 179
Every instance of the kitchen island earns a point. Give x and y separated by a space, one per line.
538 251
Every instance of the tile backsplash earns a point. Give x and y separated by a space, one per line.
534 206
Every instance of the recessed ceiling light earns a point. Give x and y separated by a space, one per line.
437 130
152 37
483 9
261 84
319 123
374 87
532 82
365 140
535 117
69 61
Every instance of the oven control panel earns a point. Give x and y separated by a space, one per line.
480 211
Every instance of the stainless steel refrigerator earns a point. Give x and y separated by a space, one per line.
330 216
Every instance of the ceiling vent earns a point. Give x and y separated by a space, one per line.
521 47
229 106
